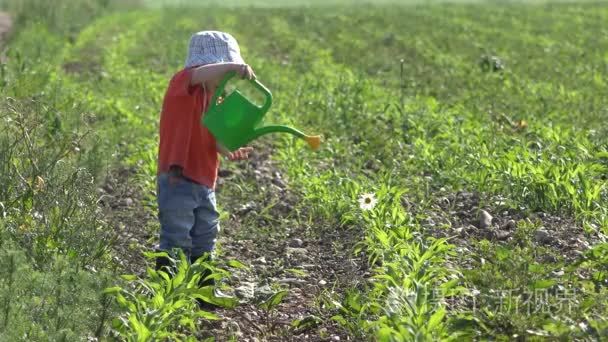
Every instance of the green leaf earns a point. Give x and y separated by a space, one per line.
352 301
206 315
385 334
543 283
121 300
179 304
306 322
274 300
602 154
340 319
154 255
436 319
158 300
111 290
142 331
502 253
187 321
207 294
297 272
237 264
129 277
117 324
225 302
450 284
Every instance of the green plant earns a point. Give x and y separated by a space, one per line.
160 306
269 307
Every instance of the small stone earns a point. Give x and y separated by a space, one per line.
245 291
284 207
335 338
278 181
511 224
548 259
291 281
246 208
263 290
465 194
261 260
128 202
542 236
296 243
322 282
296 251
485 219
489 233
502 235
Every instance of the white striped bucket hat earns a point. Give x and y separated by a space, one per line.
208 47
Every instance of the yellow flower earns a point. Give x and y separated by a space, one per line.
367 201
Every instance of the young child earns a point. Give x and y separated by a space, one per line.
188 153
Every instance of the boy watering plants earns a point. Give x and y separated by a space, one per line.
188 153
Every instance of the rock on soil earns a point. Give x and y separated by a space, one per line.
485 219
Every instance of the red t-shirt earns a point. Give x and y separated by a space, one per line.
184 141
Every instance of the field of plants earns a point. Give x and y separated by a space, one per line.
460 192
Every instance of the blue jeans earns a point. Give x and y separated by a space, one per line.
188 216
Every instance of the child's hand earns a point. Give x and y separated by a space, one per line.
245 71
211 74
240 154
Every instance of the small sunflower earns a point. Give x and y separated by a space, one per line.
367 201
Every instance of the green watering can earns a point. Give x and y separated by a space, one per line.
234 120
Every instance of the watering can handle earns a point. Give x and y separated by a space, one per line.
267 94
260 86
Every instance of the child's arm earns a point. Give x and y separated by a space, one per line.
213 72
240 154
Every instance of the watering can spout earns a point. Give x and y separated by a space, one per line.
314 141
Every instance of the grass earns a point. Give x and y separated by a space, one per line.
439 110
